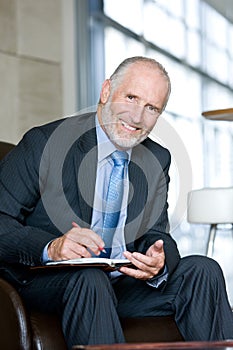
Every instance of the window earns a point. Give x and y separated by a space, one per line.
194 43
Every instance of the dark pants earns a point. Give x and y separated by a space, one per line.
89 304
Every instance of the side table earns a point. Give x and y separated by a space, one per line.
197 345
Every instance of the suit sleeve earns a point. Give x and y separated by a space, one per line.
19 193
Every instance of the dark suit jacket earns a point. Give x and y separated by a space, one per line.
48 181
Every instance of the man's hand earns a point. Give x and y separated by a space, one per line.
76 243
148 265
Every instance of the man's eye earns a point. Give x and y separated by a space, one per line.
152 109
130 97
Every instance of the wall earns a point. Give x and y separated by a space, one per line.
30 65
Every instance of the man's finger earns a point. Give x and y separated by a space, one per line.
156 248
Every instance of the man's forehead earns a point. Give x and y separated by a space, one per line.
141 70
143 76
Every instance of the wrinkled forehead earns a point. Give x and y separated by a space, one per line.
144 77
151 69
143 73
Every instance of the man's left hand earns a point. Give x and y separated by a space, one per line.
147 265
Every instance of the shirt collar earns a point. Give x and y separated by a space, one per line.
105 146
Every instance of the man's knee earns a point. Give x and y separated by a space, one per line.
93 275
201 265
88 280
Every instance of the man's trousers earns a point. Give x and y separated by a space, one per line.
90 304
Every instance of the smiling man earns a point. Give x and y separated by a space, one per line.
131 106
56 188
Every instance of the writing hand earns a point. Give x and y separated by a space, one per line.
76 243
147 265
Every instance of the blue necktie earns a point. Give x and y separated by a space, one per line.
114 200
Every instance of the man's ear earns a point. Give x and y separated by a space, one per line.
105 91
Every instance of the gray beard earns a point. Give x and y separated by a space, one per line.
109 127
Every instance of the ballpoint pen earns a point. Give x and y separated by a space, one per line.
101 249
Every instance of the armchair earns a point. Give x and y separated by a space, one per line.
26 329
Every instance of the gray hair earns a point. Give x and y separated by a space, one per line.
119 72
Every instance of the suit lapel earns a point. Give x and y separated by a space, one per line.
85 169
138 192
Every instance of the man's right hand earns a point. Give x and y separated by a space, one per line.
76 243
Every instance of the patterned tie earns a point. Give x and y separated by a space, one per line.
114 200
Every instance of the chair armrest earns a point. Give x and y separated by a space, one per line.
14 325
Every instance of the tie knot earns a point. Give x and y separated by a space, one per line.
119 157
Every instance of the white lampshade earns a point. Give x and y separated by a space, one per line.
210 206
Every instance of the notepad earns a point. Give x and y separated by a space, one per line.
113 264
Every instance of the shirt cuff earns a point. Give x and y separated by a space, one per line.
156 281
45 257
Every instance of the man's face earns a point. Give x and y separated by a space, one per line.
130 111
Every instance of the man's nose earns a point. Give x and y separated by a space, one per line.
137 114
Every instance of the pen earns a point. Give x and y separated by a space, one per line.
101 249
